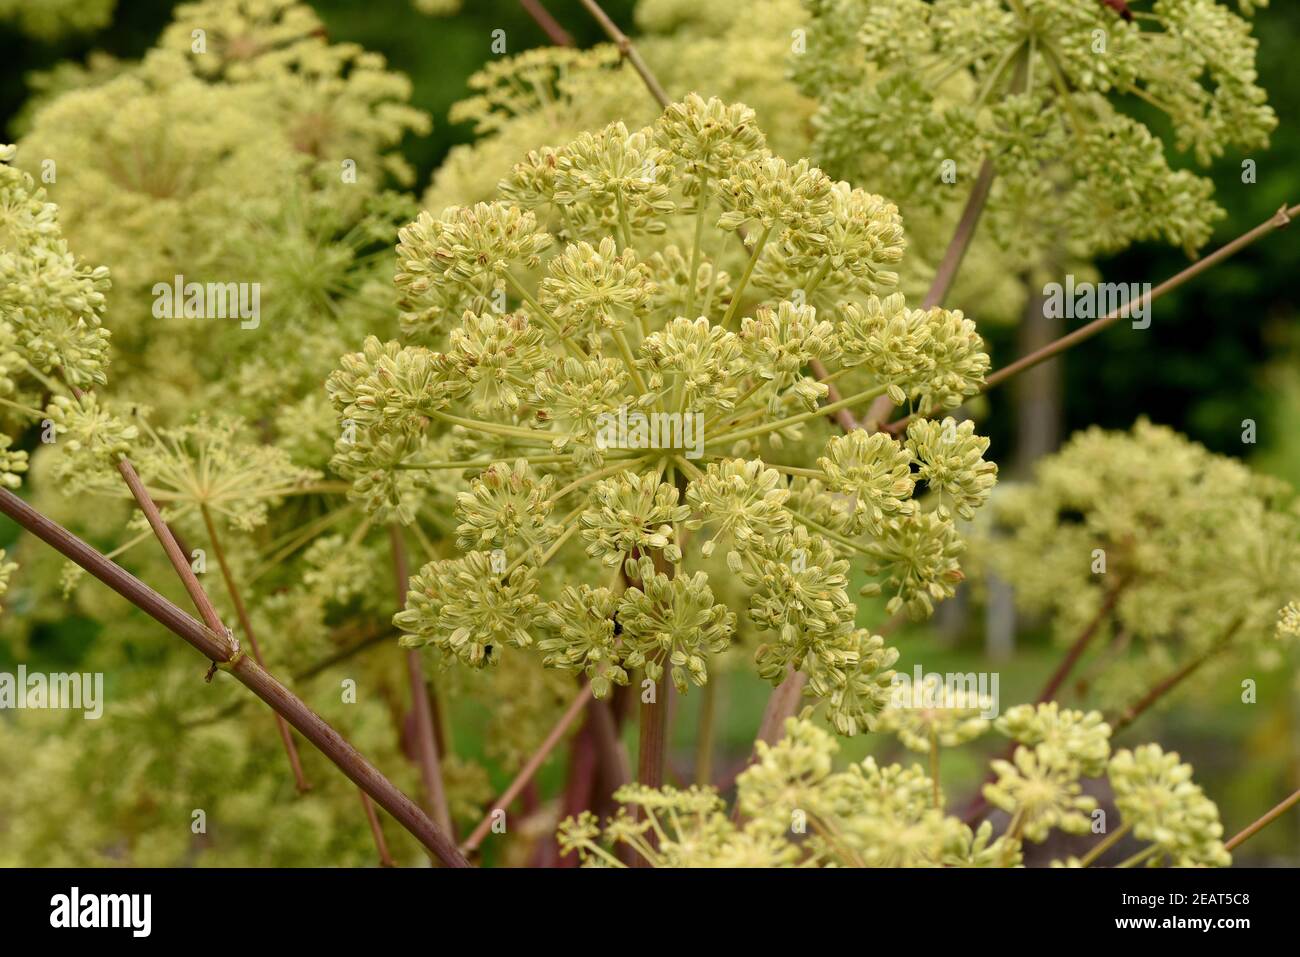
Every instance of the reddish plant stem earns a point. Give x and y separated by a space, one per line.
180 563
376 831
652 750
1171 681
612 759
841 417
246 625
782 704
579 788
349 761
1278 220
948 268
530 798
531 767
222 650
554 32
1080 645
654 734
963 234
1120 7
163 533
426 743
1251 830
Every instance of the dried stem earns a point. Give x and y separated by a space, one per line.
530 768
426 743
246 625
628 50
223 650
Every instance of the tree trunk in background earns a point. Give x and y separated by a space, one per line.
1038 390
1038 433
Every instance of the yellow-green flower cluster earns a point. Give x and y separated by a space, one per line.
1041 788
1155 793
1034 87
1288 621
247 99
583 336
956 717
930 356
1202 551
51 304
795 810
51 19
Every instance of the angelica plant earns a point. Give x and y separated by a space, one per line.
1034 88
246 99
609 403
541 322
795 809
543 97
1191 554
52 19
326 117
546 96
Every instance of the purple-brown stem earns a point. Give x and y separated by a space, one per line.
531 767
224 651
376 831
554 32
246 625
1279 220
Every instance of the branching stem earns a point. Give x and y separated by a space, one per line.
222 651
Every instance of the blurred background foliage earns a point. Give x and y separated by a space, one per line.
1221 349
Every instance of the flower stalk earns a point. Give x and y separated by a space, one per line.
225 653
